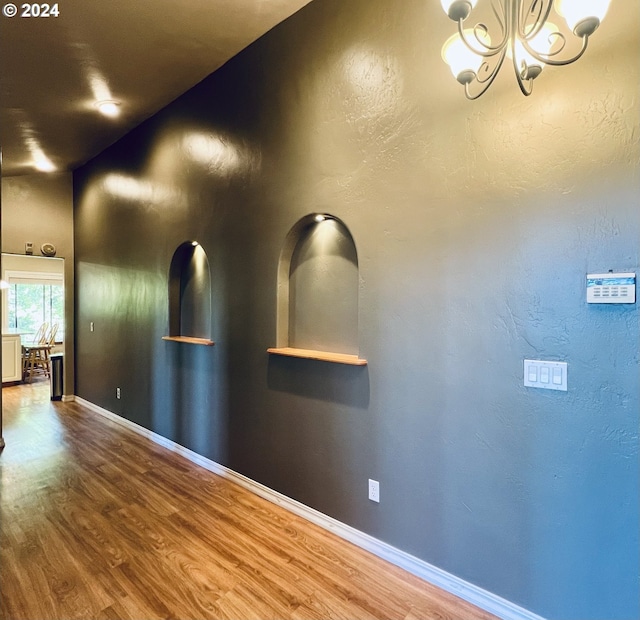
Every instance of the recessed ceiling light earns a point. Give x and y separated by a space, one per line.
194 243
44 164
109 108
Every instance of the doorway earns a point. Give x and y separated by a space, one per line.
32 297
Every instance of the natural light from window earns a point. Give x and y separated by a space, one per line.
31 305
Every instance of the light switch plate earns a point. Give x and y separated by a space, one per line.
545 375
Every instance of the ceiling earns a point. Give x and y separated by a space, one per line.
142 54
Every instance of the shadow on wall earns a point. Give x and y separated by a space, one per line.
320 380
193 392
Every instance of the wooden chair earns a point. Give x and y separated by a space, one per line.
41 334
35 357
43 354
50 338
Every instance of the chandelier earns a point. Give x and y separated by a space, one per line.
526 36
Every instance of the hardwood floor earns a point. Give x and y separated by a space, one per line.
100 523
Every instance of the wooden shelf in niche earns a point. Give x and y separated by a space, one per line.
190 340
318 270
323 356
190 296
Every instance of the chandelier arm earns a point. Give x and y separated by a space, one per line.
489 50
485 83
491 75
544 56
500 16
484 86
521 21
548 59
526 86
526 91
541 16
471 97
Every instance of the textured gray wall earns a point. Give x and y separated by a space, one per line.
475 224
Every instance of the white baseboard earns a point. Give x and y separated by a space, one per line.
68 399
479 597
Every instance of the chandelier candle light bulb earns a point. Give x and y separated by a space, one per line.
583 16
525 35
458 9
463 61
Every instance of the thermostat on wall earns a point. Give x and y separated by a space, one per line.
611 288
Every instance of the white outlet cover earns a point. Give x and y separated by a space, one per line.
374 490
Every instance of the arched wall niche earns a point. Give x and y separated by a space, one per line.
190 295
317 308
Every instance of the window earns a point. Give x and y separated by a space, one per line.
33 301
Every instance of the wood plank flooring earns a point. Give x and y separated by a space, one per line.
100 523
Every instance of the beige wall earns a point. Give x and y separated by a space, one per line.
38 209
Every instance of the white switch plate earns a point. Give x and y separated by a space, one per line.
545 375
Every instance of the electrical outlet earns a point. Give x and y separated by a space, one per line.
374 490
117 392
91 326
